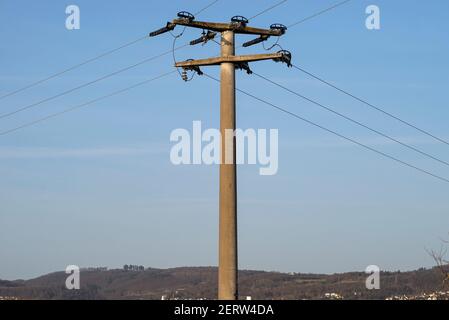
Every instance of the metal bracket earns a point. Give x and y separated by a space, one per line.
190 68
286 57
278 26
262 38
239 22
186 16
169 27
243 66
204 38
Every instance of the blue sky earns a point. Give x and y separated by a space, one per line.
96 187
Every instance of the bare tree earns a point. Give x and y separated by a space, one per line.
442 264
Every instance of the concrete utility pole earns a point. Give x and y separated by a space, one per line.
228 265
228 261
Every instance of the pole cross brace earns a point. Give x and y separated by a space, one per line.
222 27
229 59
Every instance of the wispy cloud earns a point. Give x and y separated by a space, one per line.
95 152
369 141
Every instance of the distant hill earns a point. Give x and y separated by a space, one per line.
201 282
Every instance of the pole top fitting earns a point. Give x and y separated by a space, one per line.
195 69
186 16
286 57
239 21
278 26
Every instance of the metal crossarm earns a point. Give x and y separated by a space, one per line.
221 27
230 59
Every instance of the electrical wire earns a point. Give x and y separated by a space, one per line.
361 100
57 74
300 21
371 105
352 95
276 44
175 38
318 13
239 90
336 133
102 55
85 104
206 7
5 115
268 9
351 119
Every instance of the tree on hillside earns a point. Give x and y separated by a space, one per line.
440 258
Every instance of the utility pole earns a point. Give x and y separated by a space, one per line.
228 61
227 253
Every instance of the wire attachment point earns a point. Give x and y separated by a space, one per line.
186 16
286 58
280 27
169 27
195 69
260 39
239 21
204 38
243 66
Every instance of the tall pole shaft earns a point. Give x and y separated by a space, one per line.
227 265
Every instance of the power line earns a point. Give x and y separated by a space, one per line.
319 13
57 74
88 83
127 68
5 115
337 134
102 55
268 9
352 120
206 7
371 105
84 104
124 69
302 20
106 76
